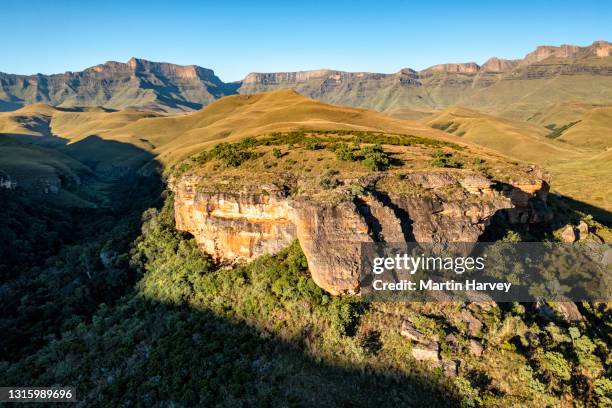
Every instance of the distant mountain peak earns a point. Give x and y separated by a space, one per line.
137 66
499 65
598 49
459 68
286 77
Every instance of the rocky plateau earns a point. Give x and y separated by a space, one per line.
240 226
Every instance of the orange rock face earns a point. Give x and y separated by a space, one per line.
234 226
231 226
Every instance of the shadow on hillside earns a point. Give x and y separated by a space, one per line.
168 94
102 160
8 106
201 359
565 211
570 205
66 234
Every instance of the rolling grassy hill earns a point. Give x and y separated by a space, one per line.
235 117
575 160
172 138
593 130
50 145
514 138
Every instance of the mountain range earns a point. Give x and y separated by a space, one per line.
512 88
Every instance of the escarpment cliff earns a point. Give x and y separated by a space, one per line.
233 225
436 206
171 88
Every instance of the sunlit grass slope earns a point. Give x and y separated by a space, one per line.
592 131
524 141
574 159
235 117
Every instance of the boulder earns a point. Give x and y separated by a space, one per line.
453 343
583 230
409 331
475 348
567 311
449 367
426 352
568 234
474 326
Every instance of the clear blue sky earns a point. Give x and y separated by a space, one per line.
234 38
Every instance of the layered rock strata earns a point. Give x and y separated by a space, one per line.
240 226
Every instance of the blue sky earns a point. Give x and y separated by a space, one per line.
234 38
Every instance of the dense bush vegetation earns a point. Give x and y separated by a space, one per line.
57 266
120 304
374 158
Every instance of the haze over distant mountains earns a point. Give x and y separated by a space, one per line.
512 88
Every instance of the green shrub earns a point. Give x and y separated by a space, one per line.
233 154
375 158
345 153
471 397
602 390
357 190
313 144
554 367
344 314
442 159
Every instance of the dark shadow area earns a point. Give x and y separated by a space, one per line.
157 352
44 141
9 106
373 224
65 235
539 219
168 94
568 206
400 213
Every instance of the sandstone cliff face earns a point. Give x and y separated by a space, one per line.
462 68
499 65
598 49
234 226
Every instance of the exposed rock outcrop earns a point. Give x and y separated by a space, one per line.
598 49
461 68
475 348
233 226
499 65
444 207
426 351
